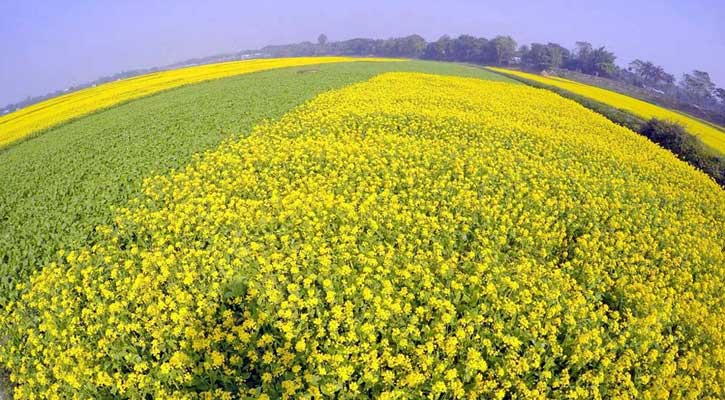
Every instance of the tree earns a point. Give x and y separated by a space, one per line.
593 61
720 93
603 62
356 47
481 53
698 85
558 55
464 48
469 49
537 57
523 51
668 79
583 57
523 55
541 57
651 74
503 49
411 46
441 49
322 39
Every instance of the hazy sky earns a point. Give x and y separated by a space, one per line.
49 45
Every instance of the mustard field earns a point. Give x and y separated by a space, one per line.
57 187
711 136
19 124
409 236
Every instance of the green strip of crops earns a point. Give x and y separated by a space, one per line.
55 189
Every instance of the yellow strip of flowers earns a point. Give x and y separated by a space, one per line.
46 114
711 136
413 236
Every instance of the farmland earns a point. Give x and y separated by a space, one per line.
18 125
711 135
378 233
57 187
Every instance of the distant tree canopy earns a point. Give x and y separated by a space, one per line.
698 85
650 74
411 46
504 49
441 49
593 61
322 39
466 48
720 94
544 56
695 92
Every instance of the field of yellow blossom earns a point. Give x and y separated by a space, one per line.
56 187
711 136
18 125
411 236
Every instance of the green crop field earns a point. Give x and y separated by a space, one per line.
388 229
56 188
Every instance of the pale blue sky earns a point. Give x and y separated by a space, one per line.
49 45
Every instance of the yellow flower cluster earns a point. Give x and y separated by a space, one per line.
412 236
43 115
711 136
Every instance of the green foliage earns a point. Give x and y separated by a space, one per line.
698 85
542 57
720 94
537 57
408 237
695 94
650 74
500 50
322 39
410 47
593 61
504 49
688 147
56 188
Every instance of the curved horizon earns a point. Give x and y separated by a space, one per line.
138 35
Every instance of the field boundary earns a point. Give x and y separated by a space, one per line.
34 133
705 159
576 77
41 132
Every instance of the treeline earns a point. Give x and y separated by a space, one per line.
694 92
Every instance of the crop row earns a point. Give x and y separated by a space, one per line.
405 237
713 137
56 188
20 124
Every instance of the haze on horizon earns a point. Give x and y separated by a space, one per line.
51 45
